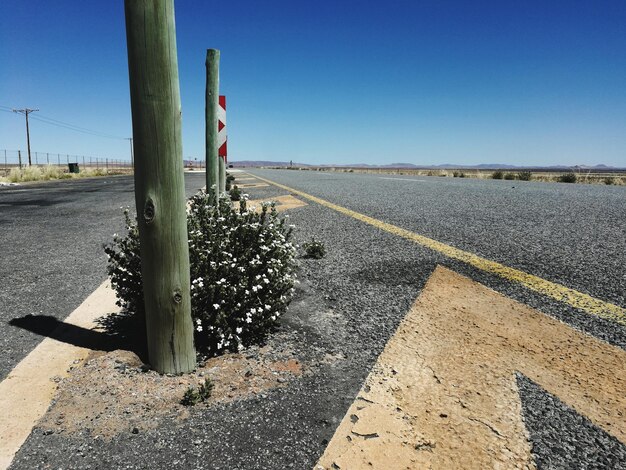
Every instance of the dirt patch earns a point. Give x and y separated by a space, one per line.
283 203
113 393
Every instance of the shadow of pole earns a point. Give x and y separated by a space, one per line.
113 337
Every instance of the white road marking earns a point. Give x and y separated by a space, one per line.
26 393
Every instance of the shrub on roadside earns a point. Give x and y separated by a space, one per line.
524 175
609 180
242 272
314 249
509 176
229 181
497 175
235 193
567 178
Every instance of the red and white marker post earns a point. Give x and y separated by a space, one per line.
221 142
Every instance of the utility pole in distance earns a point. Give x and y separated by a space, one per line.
26 112
212 102
160 184
132 156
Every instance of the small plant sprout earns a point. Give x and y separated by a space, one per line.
314 249
205 389
192 396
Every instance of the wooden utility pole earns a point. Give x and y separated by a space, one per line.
132 158
26 112
212 97
159 183
222 167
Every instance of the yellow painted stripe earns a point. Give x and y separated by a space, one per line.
556 291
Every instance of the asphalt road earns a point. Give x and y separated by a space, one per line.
351 301
51 237
568 233
574 235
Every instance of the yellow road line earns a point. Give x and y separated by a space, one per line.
556 291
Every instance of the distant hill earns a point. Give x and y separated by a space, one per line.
443 166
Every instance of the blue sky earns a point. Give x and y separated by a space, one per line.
426 82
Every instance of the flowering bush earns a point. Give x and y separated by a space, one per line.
242 272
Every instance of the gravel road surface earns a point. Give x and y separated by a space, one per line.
351 301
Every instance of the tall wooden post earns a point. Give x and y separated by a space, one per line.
159 183
212 102
222 167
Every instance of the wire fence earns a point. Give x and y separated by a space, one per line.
12 158
19 158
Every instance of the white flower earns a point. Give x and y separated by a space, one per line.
216 306
239 330
248 320
199 328
266 280
267 307
255 288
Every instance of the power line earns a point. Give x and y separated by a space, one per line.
56 122
67 125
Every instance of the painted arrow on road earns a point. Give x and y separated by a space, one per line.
444 393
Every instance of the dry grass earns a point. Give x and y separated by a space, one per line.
615 178
52 172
